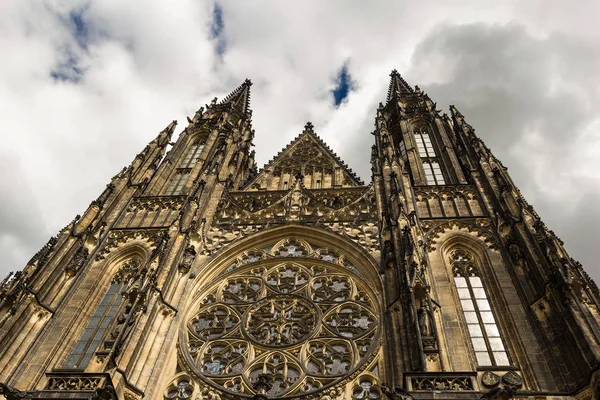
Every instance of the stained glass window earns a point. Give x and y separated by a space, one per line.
481 324
183 172
92 335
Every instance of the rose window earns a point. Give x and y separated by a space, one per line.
280 320
305 322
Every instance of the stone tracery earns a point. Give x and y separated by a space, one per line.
288 311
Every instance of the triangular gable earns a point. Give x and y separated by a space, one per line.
305 155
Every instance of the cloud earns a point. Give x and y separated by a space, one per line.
23 230
538 119
87 84
216 29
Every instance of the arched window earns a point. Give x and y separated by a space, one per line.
183 172
193 154
433 173
429 157
483 330
403 153
100 321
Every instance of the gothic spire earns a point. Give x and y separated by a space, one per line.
398 86
240 98
164 137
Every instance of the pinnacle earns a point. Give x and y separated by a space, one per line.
240 97
398 86
171 126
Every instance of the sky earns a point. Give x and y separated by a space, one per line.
85 85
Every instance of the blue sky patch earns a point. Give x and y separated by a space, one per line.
216 29
344 85
68 69
79 27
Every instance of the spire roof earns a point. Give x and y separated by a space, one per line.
398 85
240 97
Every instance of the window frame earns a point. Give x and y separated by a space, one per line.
178 182
432 166
192 155
98 324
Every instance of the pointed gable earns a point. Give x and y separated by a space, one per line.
310 157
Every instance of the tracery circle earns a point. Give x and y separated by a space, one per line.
280 320
305 322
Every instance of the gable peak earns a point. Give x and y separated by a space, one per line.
308 127
306 140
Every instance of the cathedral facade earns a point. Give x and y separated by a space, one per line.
196 276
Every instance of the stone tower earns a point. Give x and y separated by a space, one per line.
195 276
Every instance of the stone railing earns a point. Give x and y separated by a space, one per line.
67 381
457 382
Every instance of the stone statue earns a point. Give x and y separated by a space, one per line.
11 393
499 393
424 321
188 258
397 394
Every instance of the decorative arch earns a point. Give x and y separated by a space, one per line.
476 228
297 303
121 241
255 241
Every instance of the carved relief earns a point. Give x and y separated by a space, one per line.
282 280
448 201
119 237
480 228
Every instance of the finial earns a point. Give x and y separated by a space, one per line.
248 82
394 72
308 127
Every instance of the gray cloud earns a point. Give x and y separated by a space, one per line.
515 90
23 230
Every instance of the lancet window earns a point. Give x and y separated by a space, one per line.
483 330
429 157
97 326
176 185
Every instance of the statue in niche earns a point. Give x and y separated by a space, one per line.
188 258
425 320
78 261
